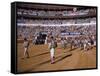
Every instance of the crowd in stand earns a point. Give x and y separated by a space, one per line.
53 13
69 21
30 31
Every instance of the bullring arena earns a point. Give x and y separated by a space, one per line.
75 26
64 59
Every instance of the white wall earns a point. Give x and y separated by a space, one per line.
5 38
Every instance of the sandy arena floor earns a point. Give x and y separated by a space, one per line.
64 59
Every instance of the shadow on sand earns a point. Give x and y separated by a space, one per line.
57 59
